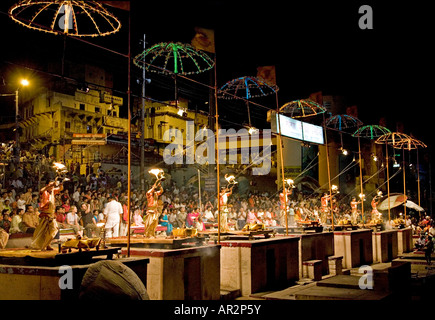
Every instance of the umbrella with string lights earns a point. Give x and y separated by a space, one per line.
302 108
392 139
247 88
174 58
411 144
370 131
341 122
74 18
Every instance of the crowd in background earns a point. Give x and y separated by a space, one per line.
81 204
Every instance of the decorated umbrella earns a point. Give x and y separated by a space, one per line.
302 108
411 144
392 201
412 205
341 122
75 18
174 58
370 131
246 88
393 139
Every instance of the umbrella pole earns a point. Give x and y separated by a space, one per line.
361 180
404 181
388 183
217 151
282 168
418 180
329 173
129 136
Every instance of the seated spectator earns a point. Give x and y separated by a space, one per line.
30 220
16 220
200 224
181 217
163 221
5 223
137 217
72 221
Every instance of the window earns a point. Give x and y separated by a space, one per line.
82 106
88 129
97 110
67 125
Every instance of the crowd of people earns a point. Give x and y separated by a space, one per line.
84 202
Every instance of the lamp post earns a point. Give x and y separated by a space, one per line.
23 83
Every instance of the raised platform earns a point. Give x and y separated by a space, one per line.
158 242
258 265
187 273
24 282
53 258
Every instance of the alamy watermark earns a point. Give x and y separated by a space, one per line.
235 147
366 280
66 280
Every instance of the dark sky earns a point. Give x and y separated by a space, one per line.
315 46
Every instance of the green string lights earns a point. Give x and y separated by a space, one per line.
302 108
174 58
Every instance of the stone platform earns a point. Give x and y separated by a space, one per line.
186 273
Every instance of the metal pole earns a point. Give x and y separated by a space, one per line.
217 151
388 183
282 164
329 173
418 179
17 134
404 181
361 180
199 189
142 118
129 135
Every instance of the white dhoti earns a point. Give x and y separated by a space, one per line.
112 226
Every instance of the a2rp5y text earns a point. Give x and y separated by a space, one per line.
224 309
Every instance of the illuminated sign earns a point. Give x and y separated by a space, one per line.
296 129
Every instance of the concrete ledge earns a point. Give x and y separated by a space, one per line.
312 269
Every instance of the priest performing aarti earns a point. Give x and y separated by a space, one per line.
47 227
284 198
325 207
354 210
376 215
153 210
224 195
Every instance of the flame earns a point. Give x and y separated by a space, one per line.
156 172
230 179
59 166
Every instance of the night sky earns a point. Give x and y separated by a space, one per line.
314 45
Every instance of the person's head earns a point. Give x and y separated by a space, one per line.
20 211
29 208
73 209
